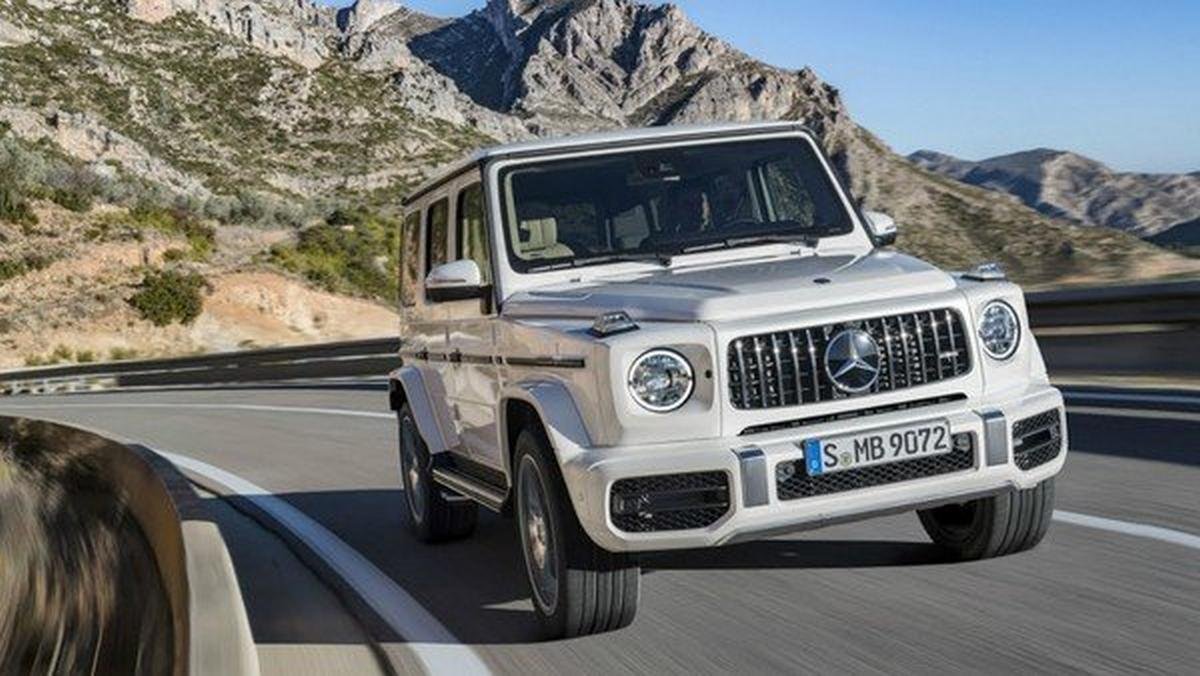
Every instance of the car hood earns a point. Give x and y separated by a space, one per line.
733 290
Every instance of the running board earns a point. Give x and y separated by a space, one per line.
486 495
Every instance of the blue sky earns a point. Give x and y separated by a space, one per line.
1118 81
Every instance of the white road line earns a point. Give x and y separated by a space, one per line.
1129 528
439 651
1088 521
1134 397
1186 416
219 407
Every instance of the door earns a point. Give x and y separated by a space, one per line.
472 377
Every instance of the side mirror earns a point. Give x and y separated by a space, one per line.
457 280
882 227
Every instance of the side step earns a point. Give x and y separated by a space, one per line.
485 494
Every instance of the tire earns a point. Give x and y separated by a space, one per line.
989 527
577 587
436 513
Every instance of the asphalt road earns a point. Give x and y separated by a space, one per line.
867 597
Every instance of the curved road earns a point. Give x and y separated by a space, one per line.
1115 587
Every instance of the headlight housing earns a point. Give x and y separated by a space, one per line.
999 330
661 380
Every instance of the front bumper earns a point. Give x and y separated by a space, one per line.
755 508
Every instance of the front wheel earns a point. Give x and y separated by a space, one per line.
1003 524
577 587
435 513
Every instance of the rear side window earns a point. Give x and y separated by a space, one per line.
410 243
472 231
437 237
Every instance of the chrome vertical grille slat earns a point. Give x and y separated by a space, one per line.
796 366
812 362
950 332
762 371
778 370
764 368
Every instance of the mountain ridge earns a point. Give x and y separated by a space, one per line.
1064 184
306 124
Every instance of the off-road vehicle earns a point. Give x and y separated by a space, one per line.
687 337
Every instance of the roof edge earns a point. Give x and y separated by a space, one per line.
622 137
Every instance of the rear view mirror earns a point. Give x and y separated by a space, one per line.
457 280
882 227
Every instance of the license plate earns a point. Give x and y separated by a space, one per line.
876 447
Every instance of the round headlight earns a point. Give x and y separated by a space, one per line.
661 380
999 330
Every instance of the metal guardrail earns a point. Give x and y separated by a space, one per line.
1148 330
328 360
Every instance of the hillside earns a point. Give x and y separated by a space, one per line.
304 125
1079 189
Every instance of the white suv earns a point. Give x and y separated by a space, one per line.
686 337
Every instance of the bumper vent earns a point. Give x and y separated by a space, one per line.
669 501
793 482
786 368
1037 440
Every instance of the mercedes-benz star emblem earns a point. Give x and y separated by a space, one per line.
852 361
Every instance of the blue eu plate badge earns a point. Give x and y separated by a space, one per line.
812 456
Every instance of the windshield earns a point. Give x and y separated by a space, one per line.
653 204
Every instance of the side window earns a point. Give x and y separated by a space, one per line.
410 244
437 234
472 230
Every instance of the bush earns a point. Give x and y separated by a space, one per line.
122 354
15 267
342 254
167 296
202 238
74 188
16 168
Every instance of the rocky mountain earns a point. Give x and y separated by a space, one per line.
232 109
1065 185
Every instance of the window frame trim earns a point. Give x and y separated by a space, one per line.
500 173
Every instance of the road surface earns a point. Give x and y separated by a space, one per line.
1115 587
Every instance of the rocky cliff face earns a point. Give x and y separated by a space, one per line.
295 29
1070 186
312 102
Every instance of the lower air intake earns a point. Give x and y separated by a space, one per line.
669 501
1037 440
793 482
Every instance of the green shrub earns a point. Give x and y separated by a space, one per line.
122 354
74 187
16 167
342 255
15 267
168 296
201 237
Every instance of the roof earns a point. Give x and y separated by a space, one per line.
620 137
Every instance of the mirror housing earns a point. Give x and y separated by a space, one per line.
456 280
882 227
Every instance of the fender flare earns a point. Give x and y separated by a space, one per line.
409 381
556 408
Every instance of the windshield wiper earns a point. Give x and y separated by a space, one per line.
809 241
635 257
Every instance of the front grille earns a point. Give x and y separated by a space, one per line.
786 368
792 479
1037 440
669 501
